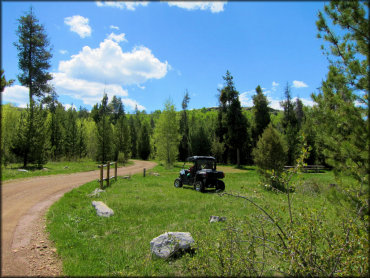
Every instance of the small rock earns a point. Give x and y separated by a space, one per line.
96 192
102 209
45 169
15 250
169 244
44 247
42 241
38 246
66 167
217 219
22 170
126 177
54 250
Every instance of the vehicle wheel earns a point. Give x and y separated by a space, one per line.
199 186
220 186
177 183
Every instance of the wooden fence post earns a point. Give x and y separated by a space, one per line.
108 166
101 176
115 170
144 173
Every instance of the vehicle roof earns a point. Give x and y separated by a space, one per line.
196 157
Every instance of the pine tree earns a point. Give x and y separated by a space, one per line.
261 114
144 142
342 125
233 126
4 82
104 130
270 155
290 126
71 134
33 62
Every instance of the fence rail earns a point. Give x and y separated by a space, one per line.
308 168
108 178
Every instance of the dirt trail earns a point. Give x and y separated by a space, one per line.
25 248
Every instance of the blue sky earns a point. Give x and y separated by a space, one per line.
147 52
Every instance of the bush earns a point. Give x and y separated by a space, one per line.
270 157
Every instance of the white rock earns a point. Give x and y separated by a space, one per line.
22 170
170 243
102 209
217 219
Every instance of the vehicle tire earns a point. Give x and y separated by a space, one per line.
199 186
177 183
220 186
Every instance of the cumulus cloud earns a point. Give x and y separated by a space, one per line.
299 84
62 51
108 63
79 25
114 27
214 7
131 6
117 38
18 95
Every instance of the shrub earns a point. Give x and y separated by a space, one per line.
270 156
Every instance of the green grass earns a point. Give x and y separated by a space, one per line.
146 207
11 172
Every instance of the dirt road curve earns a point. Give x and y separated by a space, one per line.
25 248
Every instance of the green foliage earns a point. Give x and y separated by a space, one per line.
121 135
342 121
4 82
31 141
34 56
291 127
270 156
232 127
184 147
166 135
261 114
144 142
9 126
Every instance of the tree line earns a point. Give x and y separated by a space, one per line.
335 129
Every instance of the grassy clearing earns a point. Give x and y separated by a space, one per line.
11 172
147 207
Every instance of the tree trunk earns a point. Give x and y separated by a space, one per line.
238 157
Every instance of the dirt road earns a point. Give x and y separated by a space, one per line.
25 247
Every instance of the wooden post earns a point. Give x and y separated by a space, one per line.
108 166
101 176
144 173
115 170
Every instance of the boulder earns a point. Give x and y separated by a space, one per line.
217 219
170 244
102 209
96 192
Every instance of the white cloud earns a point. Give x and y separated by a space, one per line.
62 51
214 7
275 84
110 64
117 38
16 94
79 25
114 27
90 92
132 5
299 84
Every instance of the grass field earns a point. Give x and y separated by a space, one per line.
11 171
147 207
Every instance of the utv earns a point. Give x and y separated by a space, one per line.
201 175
